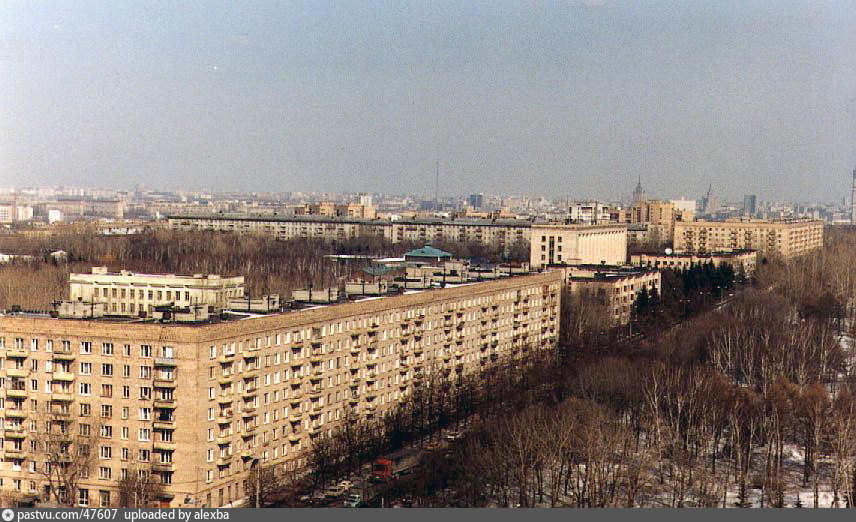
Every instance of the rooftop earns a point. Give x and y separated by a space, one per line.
352 220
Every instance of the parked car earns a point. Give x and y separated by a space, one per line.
353 500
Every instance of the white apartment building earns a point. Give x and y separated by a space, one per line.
129 293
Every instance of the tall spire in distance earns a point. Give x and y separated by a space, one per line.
639 193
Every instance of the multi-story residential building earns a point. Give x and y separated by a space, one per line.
743 261
786 238
198 405
79 207
497 232
130 293
590 212
572 244
618 286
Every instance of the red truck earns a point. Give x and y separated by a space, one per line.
386 468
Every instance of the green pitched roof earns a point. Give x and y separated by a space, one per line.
427 251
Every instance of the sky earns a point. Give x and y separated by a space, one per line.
559 98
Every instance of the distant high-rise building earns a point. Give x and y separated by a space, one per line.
639 193
709 202
853 200
476 200
749 204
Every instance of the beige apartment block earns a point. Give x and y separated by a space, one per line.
618 286
198 404
743 261
128 293
574 244
785 238
334 228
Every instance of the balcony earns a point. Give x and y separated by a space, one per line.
224 399
15 432
224 418
168 362
164 425
295 416
224 439
15 414
64 397
14 453
63 376
163 466
161 382
249 393
18 372
294 438
226 358
63 356
225 379
165 403
17 353
250 373
224 461
164 446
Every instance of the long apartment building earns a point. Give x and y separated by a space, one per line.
132 293
786 238
501 232
742 261
197 405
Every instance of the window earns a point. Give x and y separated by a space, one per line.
107 369
85 368
126 392
104 473
85 410
105 452
85 388
145 351
145 434
106 410
126 370
107 390
83 497
107 349
145 414
106 431
126 350
145 455
145 372
104 498
86 347
145 393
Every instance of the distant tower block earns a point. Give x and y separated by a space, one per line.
639 193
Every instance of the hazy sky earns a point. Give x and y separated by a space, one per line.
550 97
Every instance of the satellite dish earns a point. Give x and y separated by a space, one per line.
668 251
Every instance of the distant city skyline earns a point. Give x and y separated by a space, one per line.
565 98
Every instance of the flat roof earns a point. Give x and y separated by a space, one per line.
330 310
357 221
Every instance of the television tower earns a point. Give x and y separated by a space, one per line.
853 201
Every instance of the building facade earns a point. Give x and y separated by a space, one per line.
785 238
618 287
198 405
561 244
743 261
130 293
424 230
